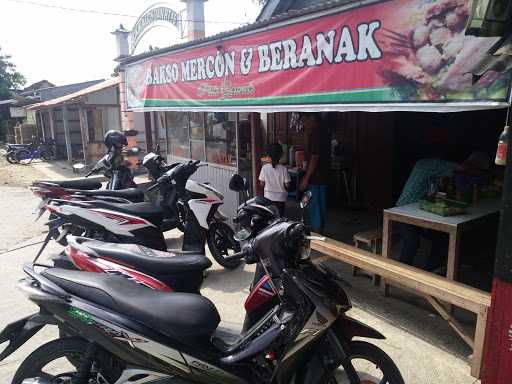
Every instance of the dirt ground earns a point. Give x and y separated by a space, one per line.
18 175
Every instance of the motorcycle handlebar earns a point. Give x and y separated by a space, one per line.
153 187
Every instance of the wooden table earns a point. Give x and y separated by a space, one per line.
452 225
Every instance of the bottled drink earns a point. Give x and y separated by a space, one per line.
501 153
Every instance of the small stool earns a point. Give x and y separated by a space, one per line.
370 239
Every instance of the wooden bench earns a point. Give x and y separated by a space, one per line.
435 289
370 239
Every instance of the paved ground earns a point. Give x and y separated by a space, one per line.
422 344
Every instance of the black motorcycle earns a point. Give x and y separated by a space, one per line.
130 334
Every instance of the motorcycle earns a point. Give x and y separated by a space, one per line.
25 153
10 154
130 334
202 205
86 190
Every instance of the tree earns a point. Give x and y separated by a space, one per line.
10 79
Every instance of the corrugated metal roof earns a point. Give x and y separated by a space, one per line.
247 28
59 91
76 95
277 7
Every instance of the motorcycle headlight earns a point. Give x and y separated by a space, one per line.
305 251
242 235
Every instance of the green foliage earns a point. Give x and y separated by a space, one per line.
9 77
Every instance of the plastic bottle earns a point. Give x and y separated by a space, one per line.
501 153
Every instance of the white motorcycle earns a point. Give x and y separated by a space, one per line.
203 206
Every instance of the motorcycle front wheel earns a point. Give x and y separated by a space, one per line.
11 157
222 243
372 365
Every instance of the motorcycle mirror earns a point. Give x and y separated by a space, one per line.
133 151
157 149
237 183
306 199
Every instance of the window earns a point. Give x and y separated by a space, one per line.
221 138
197 149
177 125
189 139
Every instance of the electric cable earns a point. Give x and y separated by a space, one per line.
105 13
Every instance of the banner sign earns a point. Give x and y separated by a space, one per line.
394 51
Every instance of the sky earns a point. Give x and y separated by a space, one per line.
64 46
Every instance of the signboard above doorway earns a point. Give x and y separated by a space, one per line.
389 55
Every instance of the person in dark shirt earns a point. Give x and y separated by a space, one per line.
317 151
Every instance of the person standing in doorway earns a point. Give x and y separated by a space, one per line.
274 179
317 151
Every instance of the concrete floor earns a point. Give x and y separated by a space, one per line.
423 346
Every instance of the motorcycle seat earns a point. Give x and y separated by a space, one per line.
83 184
150 260
129 193
178 315
145 210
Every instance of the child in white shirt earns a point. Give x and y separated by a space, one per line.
275 180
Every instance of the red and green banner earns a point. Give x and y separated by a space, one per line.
397 51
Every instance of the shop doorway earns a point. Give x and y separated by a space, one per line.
372 156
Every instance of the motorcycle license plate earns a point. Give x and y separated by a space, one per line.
40 209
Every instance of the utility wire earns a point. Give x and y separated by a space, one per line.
105 13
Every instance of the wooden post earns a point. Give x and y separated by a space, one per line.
256 151
41 119
387 238
84 130
52 123
149 134
67 135
497 368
